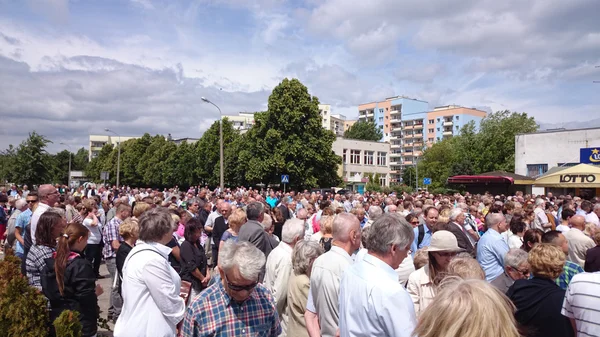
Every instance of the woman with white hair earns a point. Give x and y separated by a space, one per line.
305 253
151 302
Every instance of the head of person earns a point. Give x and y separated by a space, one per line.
304 255
123 211
292 231
267 223
240 264
21 205
443 248
74 239
558 239
390 238
32 199
465 267
255 211
375 212
517 226
531 238
431 216
577 221
590 229
468 308
360 213
412 219
567 214
237 219
516 265
546 261
48 194
193 230
302 214
140 208
586 206
156 225
225 209
49 228
364 236
326 224
346 231
497 222
129 229
457 215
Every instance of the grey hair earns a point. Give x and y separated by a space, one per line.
539 201
155 223
59 211
244 255
390 230
375 212
456 212
515 257
597 206
366 232
301 212
342 225
267 222
463 206
292 230
305 252
254 210
20 203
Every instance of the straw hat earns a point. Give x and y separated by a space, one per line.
443 241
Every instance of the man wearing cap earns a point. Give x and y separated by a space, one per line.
492 248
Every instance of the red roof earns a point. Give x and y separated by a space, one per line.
479 179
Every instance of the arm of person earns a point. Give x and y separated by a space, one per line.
310 317
161 286
473 234
84 286
281 285
176 251
18 235
115 244
94 220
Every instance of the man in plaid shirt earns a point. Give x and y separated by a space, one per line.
112 241
237 305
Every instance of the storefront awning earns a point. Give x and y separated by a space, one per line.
480 179
579 176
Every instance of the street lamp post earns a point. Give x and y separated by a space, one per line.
118 154
220 141
70 152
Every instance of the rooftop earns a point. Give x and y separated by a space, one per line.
558 130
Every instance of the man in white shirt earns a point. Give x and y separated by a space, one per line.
371 297
322 306
582 304
579 243
593 215
541 219
279 267
48 196
566 216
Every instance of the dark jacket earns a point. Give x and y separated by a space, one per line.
219 228
122 253
253 232
592 260
79 292
539 302
192 258
461 237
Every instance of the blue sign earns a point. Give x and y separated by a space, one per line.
590 155
285 179
426 181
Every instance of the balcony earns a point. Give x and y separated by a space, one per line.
370 113
448 123
408 127
417 153
395 154
408 135
418 126
395 112
394 163
447 133
405 145
418 144
396 127
395 145
407 162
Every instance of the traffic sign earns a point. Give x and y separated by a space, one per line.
426 181
104 175
285 179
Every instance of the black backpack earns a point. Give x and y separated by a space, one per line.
421 229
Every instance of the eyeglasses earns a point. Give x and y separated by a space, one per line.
446 254
525 273
31 201
415 222
236 287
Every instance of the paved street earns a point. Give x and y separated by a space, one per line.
103 299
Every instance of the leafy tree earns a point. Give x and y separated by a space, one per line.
181 166
373 182
33 164
154 161
363 130
131 153
409 176
288 139
208 153
60 169
437 161
80 160
98 164
7 164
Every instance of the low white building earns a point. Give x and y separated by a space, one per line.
360 158
536 153
96 143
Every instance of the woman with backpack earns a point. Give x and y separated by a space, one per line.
69 281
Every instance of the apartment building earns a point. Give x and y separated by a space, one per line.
447 121
96 142
360 158
242 121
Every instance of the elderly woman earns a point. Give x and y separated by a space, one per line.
151 302
305 253
423 283
325 236
539 300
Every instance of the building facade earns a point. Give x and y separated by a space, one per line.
97 142
447 121
242 121
361 158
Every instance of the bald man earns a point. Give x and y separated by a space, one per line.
48 196
492 248
579 243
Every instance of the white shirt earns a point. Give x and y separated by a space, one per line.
95 231
515 241
583 304
35 217
563 228
278 269
151 302
593 218
373 303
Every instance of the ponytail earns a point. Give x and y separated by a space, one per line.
72 233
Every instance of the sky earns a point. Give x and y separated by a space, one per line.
70 68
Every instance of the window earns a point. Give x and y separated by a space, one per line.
387 117
381 119
354 156
438 139
456 117
387 125
381 127
382 181
438 119
431 130
354 174
368 158
381 158
344 157
457 127
438 129
535 170
431 121
430 140
381 110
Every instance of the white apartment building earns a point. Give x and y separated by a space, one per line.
242 121
98 141
325 111
360 158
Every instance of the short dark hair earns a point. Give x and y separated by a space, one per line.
550 237
254 210
517 225
429 209
193 225
567 213
586 205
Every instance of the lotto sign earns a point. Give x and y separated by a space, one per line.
285 179
589 155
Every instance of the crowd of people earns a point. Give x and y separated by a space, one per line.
243 261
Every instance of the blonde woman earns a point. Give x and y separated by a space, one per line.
236 220
325 236
468 308
139 209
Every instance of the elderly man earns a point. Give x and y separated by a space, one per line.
279 267
238 305
374 213
457 227
322 307
541 219
579 243
48 196
370 295
570 269
594 215
516 267
220 226
492 248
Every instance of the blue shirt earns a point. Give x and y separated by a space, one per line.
426 239
272 201
22 222
491 249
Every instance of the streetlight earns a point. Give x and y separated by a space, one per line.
220 140
118 154
70 152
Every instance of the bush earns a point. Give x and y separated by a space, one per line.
23 310
67 324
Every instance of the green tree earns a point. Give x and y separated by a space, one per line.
60 169
181 166
364 131
437 161
289 139
409 176
154 162
7 164
131 153
208 153
98 164
33 164
80 160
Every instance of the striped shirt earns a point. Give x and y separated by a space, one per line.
582 303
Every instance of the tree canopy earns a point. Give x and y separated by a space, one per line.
363 130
